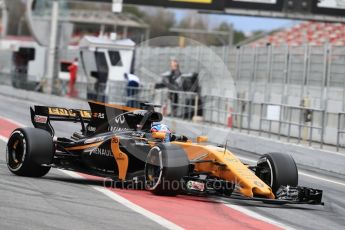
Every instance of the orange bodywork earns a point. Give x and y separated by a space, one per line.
226 166
82 147
120 157
220 162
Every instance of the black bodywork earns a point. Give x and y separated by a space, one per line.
89 150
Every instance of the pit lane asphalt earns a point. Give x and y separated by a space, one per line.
59 202
56 201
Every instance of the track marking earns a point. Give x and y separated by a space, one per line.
300 172
258 216
150 215
4 139
321 178
12 121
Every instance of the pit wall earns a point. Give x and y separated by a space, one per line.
304 156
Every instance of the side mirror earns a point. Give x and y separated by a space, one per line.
159 135
202 139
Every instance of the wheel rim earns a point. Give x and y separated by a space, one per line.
16 151
266 173
271 173
153 168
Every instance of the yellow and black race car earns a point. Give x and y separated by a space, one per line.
115 141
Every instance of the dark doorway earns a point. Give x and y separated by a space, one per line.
21 60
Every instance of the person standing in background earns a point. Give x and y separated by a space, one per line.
172 81
133 83
73 71
173 84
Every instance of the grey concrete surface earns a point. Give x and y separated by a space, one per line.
57 201
40 98
306 156
330 216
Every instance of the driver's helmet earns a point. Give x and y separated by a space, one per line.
163 129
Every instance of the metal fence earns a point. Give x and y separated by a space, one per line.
301 81
284 75
295 124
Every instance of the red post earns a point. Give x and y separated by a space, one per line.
73 70
230 117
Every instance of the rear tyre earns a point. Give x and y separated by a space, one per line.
277 169
165 167
28 150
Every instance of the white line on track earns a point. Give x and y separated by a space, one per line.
321 178
112 195
300 172
258 216
4 139
13 121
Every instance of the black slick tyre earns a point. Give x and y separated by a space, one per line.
277 169
29 151
166 165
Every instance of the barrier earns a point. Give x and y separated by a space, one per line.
295 124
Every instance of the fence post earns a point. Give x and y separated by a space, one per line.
269 75
261 114
311 128
211 109
164 106
300 124
324 92
282 110
237 63
322 128
289 127
241 116
196 106
338 131
287 77
328 80
218 117
253 75
305 70
249 115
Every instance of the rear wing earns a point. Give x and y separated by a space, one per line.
101 118
42 115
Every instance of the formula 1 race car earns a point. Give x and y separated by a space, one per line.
115 141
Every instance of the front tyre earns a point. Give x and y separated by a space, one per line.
28 151
277 169
166 165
